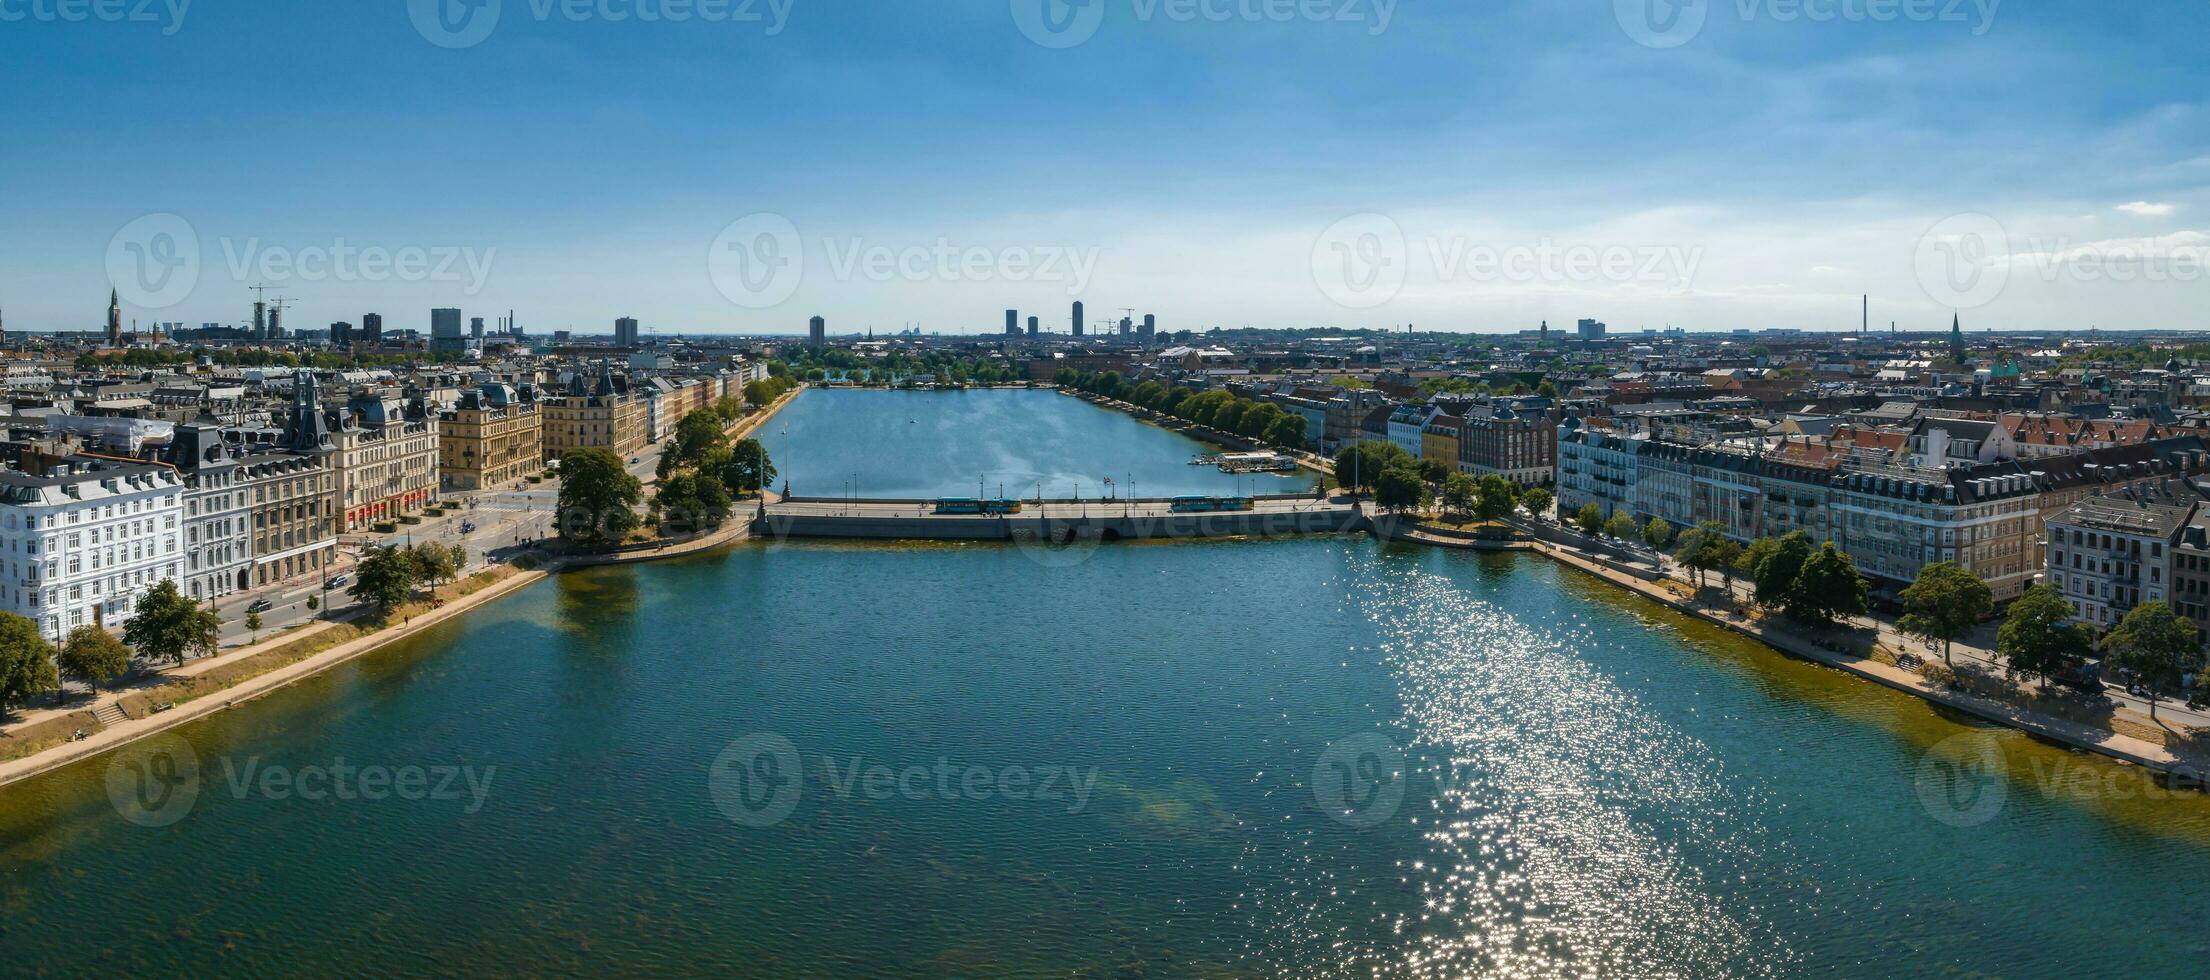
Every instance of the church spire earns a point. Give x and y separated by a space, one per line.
1956 336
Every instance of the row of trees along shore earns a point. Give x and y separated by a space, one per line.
2038 638
1399 483
701 475
165 627
1263 422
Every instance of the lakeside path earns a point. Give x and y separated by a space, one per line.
2075 734
119 734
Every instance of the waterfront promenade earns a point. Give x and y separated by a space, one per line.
1794 641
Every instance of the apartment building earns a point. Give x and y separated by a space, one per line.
218 513
386 451
2108 554
84 538
594 414
1519 446
492 437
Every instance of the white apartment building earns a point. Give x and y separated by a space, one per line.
84 538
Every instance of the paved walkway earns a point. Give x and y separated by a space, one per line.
2079 735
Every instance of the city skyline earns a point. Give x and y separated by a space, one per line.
1541 164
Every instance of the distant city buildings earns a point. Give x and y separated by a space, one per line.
625 332
445 335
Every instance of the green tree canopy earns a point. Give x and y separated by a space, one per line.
1536 500
697 436
384 579
26 661
1590 519
2155 645
168 626
597 498
1400 488
748 468
2038 637
1360 465
1828 587
1773 565
689 502
1496 496
93 655
1945 603
1460 493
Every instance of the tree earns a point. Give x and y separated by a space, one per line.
1827 588
1707 547
2038 637
1657 534
748 468
1435 471
1360 466
1536 500
170 627
1286 432
26 661
253 624
432 562
1460 493
1945 603
1496 497
1547 390
1590 519
384 579
1621 526
597 498
1774 565
691 502
696 436
2156 646
92 655
1400 488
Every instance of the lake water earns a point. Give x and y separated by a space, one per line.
1315 757
991 442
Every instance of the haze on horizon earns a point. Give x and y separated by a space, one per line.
1354 163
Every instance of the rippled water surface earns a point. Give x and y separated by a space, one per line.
1310 758
999 441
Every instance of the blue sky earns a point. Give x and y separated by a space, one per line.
1195 160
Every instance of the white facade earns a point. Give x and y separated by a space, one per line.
84 541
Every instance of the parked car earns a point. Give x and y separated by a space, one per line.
259 605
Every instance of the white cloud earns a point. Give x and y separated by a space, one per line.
2145 209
